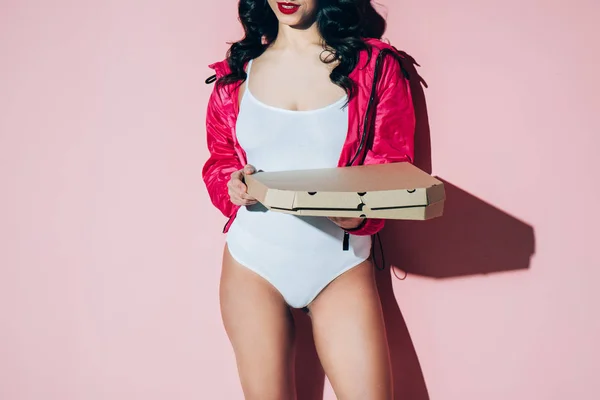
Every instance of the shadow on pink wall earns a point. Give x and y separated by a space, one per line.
472 238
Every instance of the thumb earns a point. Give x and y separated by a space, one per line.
249 169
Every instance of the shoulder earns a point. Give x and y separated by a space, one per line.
221 91
221 68
377 45
378 52
375 48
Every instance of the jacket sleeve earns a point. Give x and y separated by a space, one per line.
393 127
223 160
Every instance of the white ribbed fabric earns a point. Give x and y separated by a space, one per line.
299 256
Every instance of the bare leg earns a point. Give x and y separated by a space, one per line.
350 336
260 327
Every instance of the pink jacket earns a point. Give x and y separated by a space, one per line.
390 139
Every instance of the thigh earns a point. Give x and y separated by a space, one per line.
260 327
350 336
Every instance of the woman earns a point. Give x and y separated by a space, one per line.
294 94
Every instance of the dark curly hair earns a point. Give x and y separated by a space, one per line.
343 24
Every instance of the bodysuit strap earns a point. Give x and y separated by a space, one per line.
248 68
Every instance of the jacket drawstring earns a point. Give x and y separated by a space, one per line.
363 141
365 132
377 238
210 79
346 242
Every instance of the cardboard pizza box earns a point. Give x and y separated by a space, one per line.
388 191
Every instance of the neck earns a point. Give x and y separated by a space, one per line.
297 38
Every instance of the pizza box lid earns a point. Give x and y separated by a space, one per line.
389 191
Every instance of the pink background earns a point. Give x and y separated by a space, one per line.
110 250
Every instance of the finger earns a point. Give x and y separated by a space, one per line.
238 201
237 174
238 187
347 219
247 197
235 181
243 202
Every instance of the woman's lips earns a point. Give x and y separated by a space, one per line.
288 8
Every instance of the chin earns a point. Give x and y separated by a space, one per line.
292 20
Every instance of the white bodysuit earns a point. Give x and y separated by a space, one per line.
299 256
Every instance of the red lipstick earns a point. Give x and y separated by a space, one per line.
287 8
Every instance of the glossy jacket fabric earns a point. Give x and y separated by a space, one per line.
391 136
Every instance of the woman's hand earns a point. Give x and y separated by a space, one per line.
238 191
347 223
